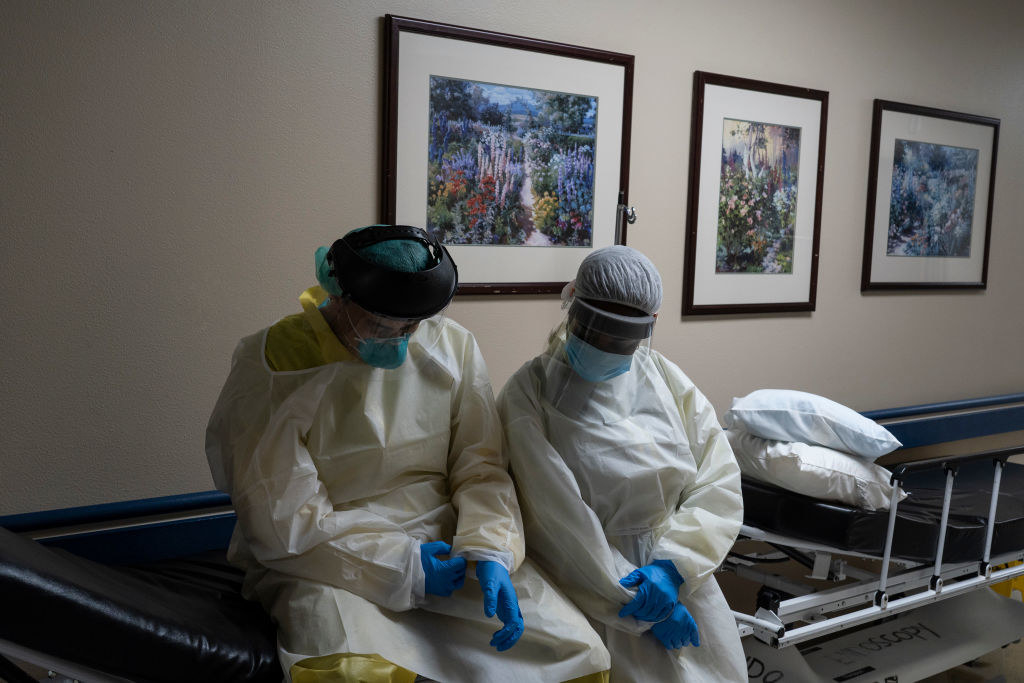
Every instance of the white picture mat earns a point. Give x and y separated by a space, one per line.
422 56
939 131
709 287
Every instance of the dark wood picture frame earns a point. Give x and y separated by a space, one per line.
611 185
708 290
886 263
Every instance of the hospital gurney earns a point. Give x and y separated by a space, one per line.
961 529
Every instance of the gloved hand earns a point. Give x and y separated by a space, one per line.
500 597
658 591
678 630
443 577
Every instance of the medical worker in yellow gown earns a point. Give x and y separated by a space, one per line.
629 490
377 522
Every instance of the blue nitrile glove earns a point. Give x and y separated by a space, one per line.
500 597
658 591
443 577
678 630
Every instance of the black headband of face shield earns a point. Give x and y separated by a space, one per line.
390 292
606 322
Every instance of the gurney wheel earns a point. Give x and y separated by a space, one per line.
769 599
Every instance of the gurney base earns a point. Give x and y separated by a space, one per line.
913 645
62 669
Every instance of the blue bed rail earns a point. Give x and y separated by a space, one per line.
89 514
135 530
921 425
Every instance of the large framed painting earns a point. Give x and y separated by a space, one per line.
929 212
513 151
757 160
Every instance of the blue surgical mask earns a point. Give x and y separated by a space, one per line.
593 364
384 353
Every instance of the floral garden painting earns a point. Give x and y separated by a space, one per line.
931 207
757 197
509 165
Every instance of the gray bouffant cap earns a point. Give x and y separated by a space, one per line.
621 275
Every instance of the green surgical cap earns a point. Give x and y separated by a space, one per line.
408 256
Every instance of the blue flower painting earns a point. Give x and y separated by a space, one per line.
931 208
757 197
509 165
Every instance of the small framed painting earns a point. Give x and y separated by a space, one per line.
757 161
512 151
929 210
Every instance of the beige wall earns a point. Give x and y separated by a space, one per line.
169 167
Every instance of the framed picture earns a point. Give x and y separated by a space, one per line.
513 151
929 211
757 159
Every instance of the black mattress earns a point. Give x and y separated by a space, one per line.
840 526
164 622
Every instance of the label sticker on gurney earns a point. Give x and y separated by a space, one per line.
914 645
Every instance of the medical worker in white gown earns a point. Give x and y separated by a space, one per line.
361 447
629 490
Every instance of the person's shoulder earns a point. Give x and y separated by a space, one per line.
534 367
529 377
449 326
291 344
289 323
443 332
658 357
667 367
251 343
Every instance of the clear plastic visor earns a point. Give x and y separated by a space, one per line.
609 331
355 325
575 392
366 325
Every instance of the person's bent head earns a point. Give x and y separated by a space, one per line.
616 295
382 281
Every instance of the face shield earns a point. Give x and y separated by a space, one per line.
393 292
381 307
601 338
379 340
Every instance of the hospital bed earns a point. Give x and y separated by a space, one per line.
137 591
849 594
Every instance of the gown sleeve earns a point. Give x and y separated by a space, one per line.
489 523
707 520
564 534
259 457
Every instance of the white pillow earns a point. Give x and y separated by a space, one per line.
786 415
815 471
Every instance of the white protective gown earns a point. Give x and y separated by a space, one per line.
338 473
612 475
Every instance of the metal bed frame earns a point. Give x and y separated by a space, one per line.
784 621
